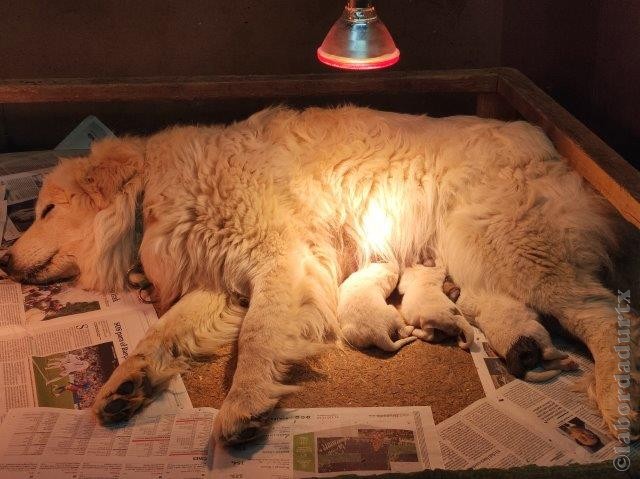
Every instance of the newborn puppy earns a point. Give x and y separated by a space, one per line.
364 315
425 306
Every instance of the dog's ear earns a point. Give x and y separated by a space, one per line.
112 164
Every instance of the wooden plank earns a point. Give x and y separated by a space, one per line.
492 105
608 172
263 86
4 135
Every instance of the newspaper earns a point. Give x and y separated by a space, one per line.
23 304
486 435
63 363
88 130
336 441
57 443
558 405
52 443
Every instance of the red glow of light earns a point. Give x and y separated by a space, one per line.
359 64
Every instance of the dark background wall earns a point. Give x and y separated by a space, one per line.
585 53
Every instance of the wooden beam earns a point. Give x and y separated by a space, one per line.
603 168
229 87
492 105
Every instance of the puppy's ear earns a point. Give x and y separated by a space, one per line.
112 164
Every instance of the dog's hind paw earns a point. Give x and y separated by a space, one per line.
126 391
232 428
618 396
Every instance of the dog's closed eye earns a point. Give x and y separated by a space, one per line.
47 209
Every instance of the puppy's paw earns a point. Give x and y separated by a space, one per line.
126 391
405 331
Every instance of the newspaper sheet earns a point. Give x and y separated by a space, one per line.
63 363
336 441
60 444
23 304
77 142
87 131
488 435
54 443
558 405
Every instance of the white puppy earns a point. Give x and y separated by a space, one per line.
364 315
427 308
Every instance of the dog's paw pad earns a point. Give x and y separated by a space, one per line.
232 425
124 393
239 433
126 388
245 435
116 406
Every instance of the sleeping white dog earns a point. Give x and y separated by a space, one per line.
282 207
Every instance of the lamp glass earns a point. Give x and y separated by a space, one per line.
358 41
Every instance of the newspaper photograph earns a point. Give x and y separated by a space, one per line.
64 363
58 444
335 441
23 304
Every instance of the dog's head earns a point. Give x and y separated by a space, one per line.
84 220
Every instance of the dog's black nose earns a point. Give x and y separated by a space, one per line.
5 262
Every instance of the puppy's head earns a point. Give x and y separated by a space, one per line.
77 201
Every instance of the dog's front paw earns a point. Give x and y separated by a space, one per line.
126 391
238 422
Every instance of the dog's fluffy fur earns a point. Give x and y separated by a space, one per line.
276 208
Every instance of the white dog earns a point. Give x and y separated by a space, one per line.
273 208
364 315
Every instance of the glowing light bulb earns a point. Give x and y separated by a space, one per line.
358 40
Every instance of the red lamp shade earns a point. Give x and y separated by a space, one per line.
358 40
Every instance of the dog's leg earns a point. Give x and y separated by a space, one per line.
291 315
609 329
196 326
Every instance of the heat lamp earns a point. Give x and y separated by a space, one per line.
358 40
